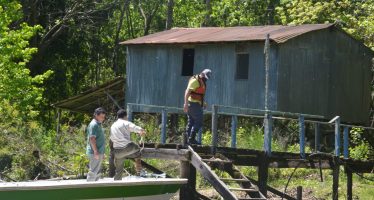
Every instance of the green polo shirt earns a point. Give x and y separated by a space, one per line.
94 129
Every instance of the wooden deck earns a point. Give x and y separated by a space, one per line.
203 160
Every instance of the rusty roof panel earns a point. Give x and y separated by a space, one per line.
277 33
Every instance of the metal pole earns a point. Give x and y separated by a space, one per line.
317 136
129 113
302 136
214 128
164 120
337 136
268 125
234 122
346 142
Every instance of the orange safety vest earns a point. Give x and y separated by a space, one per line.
199 93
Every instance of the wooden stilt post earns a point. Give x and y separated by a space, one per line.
302 136
112 167
164 120
268 123
317 137
214 128
58 122
262 171
200 135
346 142
129 113
335 179
187 191
234 122
299 193
337 136
349 183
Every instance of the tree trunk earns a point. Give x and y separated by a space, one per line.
148 16
116 39
271 11
169 20
208 13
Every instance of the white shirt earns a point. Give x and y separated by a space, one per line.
120 132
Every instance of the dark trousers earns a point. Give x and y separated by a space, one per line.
131 150
195 119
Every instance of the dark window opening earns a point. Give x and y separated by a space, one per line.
188 62
242 66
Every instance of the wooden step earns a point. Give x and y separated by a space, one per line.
235 180
216 161
243 189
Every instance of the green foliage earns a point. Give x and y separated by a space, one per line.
16 84
252 137
355 17
359 148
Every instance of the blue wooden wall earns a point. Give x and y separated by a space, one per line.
324 72
154 75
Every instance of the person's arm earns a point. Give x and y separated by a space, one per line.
94 147
136 129
92 137
187 93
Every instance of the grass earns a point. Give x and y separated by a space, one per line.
309 179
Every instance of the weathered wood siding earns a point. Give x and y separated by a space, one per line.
325 73
154 75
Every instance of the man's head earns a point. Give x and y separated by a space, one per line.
121 114
99 114
206 74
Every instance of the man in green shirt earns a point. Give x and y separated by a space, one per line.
95 144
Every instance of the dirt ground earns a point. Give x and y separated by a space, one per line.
212 194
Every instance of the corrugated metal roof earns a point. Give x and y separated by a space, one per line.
278 33
87 101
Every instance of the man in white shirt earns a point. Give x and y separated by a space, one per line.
124 148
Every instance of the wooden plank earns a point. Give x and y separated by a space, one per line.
243 189
325 164
273 190
213 179
234 180
167 154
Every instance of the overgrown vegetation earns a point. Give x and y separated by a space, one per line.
50 50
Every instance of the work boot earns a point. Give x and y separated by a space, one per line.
192 139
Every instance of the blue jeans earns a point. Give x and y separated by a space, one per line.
195 119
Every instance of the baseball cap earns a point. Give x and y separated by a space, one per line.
207 73
99 111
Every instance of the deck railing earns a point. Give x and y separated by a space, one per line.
269 116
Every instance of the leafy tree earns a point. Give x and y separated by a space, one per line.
16 84
354 16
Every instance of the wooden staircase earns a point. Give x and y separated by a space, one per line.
206 168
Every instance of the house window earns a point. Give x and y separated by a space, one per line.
242 65
188 62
